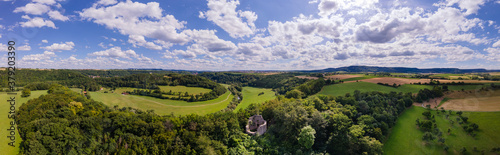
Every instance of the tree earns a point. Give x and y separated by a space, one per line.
459 113
306 137
428 136
26 92
297 94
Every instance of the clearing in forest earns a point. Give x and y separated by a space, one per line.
251 95
161 106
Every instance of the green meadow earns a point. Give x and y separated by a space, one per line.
406 138
251 95
5 122
161 106
190 90
343 88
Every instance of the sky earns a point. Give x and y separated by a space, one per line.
251 34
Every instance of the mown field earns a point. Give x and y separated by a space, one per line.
5 122
190 90
406 138
251 95
161 106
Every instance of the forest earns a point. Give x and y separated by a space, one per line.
280 83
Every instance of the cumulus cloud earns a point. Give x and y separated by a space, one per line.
134 18
327 7
138 40
470 6
48 2
56 15
208 40
37 22
115 52
45 41
37 57
60 46
223 13
496 44
106 2
33 8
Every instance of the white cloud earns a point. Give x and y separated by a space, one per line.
138 40
60 46
471 6
327 7
496 44
115 52
209 41
134 18
24 48
223 13
33 8
48 2
106 2
37 22
45 41
56 15
37 57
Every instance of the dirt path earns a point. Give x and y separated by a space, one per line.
182 106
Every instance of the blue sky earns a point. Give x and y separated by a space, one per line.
251 34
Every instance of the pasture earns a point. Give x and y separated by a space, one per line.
183 89
251 95
406 138
5 122
162 106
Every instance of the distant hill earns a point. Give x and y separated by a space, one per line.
400 70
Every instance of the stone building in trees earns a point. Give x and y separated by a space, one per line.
256 125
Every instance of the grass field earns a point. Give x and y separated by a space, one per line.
360 78
342 89
251 95
405 138
4 122
161 106
190 90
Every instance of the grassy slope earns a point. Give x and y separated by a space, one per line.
190 90
406 138
5 122
250 95
162 106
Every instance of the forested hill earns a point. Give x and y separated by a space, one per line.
65 122
364 69
280 83
69 78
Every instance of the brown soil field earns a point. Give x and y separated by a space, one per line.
402 81
473 101
341 77
495 73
